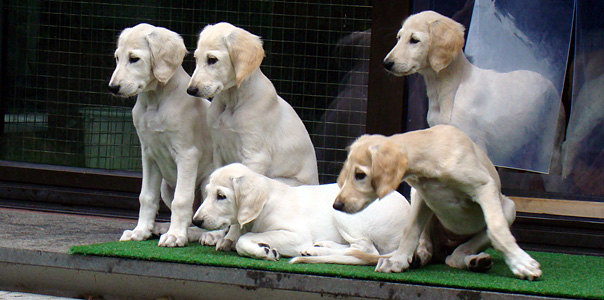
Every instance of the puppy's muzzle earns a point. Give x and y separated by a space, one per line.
198 222
338 205
388 64
114 89
193 91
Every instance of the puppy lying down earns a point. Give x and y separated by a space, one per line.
279 220
456 198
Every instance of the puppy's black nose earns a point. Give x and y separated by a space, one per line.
388 64
114 89
193 91
198 222
338 205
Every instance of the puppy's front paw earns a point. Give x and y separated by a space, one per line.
524 267
171 240
211 238
269 253
135 235
394 264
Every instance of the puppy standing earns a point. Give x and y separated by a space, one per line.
505 113
249 122
278 219
456 197
171 126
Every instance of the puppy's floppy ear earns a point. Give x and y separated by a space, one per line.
250 197
167 52
388 166
446 41
246 53
343 174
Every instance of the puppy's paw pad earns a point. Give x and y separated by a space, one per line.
416 263
480 263
270 253
170 240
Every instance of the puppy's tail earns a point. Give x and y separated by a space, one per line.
369 259
353 257
328 259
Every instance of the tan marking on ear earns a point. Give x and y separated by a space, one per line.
167 50
446 42
250 199
388 166
246 53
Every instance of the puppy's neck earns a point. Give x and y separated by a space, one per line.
157 91
441 88
248 91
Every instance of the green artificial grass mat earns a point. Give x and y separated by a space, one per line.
575 276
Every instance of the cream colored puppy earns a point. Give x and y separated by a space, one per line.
279 220
249 122
505 113
457 197
171 126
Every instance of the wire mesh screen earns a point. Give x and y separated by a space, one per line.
58 58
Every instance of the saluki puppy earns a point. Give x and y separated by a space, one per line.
279 220
171 126
456 197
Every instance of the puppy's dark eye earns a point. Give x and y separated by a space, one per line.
359 175
133 59
220 196
212 60
413 40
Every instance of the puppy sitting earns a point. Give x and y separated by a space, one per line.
171 126
277 219
456 197
249 122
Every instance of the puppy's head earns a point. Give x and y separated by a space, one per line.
426 40
374 168
225 56
145 55
235 195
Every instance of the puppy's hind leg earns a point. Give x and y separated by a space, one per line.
467 254
425 249
257 245
167 193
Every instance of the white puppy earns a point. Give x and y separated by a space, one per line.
456 197
249 122
507 114
171 126
278 219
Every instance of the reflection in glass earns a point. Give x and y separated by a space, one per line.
583 150
510 105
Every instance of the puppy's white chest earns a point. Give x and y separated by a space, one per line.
152 121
